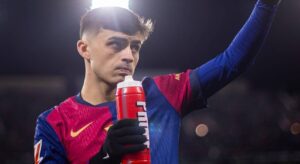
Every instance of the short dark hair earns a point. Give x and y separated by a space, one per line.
116 19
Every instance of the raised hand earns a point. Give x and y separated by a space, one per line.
271 1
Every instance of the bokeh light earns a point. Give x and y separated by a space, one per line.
201 130
295 128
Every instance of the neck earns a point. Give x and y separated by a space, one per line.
96 91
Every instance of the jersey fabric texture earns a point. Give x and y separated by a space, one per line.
78 129
74 131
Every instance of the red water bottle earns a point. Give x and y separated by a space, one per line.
130 100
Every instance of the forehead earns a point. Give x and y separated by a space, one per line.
106 34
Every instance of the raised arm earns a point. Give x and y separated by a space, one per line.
240 54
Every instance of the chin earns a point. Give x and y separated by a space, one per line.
118 79
121 79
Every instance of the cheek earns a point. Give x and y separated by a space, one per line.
97 61
136 59
105 63
98 56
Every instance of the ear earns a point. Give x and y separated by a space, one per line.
82 48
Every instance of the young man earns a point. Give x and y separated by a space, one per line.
84 128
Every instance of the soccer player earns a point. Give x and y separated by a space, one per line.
84 128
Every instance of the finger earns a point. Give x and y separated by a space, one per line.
126 123
136 139
133 148
128 131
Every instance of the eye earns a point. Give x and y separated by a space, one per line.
117 45
135 47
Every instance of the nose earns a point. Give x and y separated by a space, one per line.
127 55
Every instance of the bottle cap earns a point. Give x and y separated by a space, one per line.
129 82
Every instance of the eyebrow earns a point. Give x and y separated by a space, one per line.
136 42
124 39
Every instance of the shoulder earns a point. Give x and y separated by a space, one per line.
168 82
56 115
163 80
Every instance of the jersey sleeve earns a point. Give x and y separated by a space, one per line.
47 146
182 90
240 54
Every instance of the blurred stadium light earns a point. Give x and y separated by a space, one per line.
106 3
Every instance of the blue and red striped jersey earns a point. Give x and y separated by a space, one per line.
75 130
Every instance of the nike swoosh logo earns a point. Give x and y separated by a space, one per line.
76 133
107 127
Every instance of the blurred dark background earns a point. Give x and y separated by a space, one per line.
255 119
